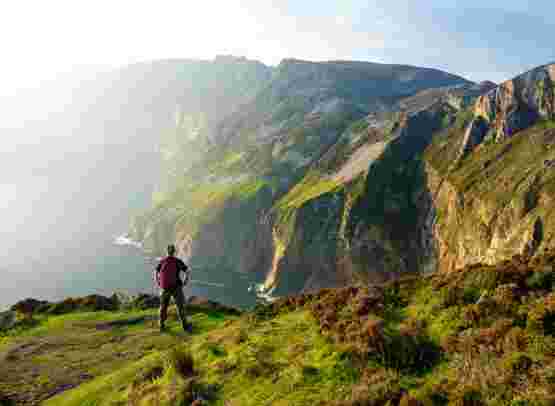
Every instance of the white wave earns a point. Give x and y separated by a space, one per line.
125 240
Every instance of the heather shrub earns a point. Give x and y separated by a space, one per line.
180 360
541 317
540 280
466 396
409 351
375 334
450 296
515 340
408 400
470 295
383 388
515 364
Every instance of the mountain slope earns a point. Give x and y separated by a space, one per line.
449 183
227 209
369 196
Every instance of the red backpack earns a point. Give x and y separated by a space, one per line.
169 269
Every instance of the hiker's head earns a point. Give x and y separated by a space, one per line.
171 250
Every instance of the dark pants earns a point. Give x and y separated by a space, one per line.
179 299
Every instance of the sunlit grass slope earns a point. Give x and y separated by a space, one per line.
479 336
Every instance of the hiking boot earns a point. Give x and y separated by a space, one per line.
188 327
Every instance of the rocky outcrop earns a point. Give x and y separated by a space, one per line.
93 302
29 305
512 106
497 202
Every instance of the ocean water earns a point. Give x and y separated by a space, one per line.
105 269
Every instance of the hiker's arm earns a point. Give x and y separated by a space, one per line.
186 271
157 273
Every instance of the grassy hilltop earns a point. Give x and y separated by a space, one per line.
479 336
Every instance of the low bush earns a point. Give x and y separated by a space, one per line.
179 360
516 340
467 396
541 317
517 363
540 280
5 401
409 352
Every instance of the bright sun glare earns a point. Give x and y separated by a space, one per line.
8 195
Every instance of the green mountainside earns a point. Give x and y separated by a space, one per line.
306 139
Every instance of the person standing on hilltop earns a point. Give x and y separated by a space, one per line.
171 285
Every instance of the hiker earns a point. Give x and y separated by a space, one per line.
167 277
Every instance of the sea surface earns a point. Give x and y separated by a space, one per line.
107 268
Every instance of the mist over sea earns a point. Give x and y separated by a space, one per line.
108 268
104 269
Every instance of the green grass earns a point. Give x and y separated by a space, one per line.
310 188
284 360
70 349
281 361
437 343
359 126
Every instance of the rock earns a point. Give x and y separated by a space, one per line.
206 304
7 319
375 327
518 103
29 306
98 303
474 135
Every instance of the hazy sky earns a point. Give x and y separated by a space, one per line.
479 39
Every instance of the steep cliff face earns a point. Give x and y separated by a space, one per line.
364 211
272 187
481 192
493 183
